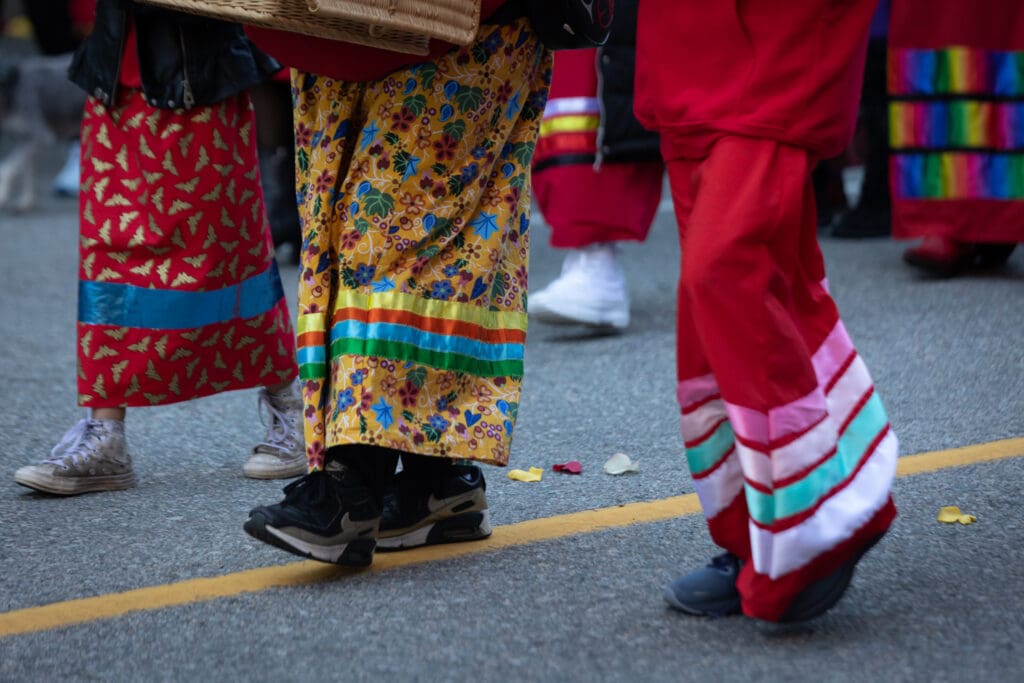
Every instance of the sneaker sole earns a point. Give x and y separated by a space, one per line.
835 594
720 609
567 314
72 487
284 472
470 526
357 553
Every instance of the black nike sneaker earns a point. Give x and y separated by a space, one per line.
327 515
445 509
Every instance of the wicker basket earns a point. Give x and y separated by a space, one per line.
398 25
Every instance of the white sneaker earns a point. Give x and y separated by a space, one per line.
590 291
66 182
92 456
282 455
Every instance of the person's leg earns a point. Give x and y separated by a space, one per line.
815 453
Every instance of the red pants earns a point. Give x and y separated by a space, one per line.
776 403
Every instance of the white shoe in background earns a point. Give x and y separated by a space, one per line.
67 181
590 291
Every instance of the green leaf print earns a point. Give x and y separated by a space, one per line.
417 376
455 185
461 263
409 417
469 98
523 153
439 169
317 205
303 159
456 129
392 138
376 203
348 276
479 53
498 288
518 182
362 226
430 252
416 104
362 424
444 228
431 433
401 162
428 70
459 241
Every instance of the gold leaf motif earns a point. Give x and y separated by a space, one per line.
180 353
152 373
176 239
97 387
118 199
184 143
214 338
103 136
214 194
118 334
108 274
161 346
154 399
163 269
211 237
172 386
219 386
171 129
120 256
204 159
154 227
104 352
87 214
233 267
138 239
249 270
229 337
158 251
245 341
135 121
218 362
251 175
225 217
168 163
202 116
132 183
192 335
255 353
245 131
202 379
85 341
126 219
177 206
101 166
218 141
237 373
267 367
105 231
152 178
117 369
216 271
88 243
193 222
141 346
256 250
143 270
188 186
191 367
195 261
152 122
133 387
122 158
100 187
182 279
285 375
231 191
224 169
146 151
229 246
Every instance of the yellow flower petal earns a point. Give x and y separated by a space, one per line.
949 514
967 519
534 474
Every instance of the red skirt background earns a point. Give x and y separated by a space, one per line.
179 292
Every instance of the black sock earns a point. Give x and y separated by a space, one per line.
373 465
425 467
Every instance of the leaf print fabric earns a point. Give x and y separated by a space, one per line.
179 294
414 194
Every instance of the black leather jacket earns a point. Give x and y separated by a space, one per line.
184 60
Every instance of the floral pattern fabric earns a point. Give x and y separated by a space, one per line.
414 192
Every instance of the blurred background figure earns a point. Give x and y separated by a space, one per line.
956 82
870 214
597 178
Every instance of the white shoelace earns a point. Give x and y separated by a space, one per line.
281 433
74 446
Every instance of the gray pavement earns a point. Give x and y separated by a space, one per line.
932 603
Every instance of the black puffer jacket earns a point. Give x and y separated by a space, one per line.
184 60
621 137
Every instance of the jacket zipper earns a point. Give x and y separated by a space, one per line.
188 99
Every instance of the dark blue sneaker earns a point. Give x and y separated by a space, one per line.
708 592
823 594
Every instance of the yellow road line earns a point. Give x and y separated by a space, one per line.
70 612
